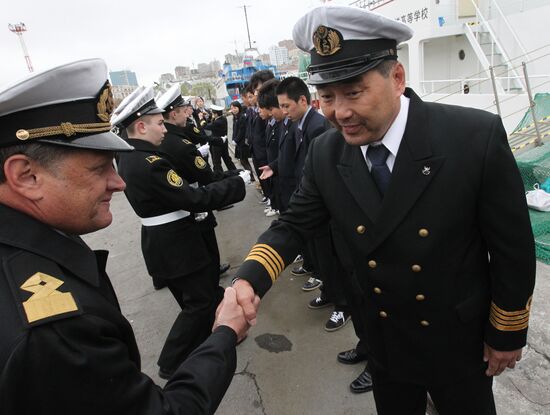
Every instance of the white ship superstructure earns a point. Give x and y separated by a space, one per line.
477 53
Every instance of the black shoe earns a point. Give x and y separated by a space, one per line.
300 271
351 357
362 384
165 374
225 208
224 268
337 320
319 302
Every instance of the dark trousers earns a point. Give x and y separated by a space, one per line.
468 396
263 183
246 165
198 295
220 153
287 186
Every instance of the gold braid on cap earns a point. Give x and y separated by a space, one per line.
66 128
104 106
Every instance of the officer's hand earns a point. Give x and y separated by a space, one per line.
245 175
224 138
247 299
204 149
267 172
230 314
498 361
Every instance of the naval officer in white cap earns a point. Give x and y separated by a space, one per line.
432 209
65 347
174 246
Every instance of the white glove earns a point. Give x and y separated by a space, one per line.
245 175
204 149
224 139
234 143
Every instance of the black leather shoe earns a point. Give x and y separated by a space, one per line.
165 374
224 268
362 384
351 357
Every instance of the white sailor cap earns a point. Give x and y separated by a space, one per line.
216 108
171 99
143 104
128 99
69 105
345 41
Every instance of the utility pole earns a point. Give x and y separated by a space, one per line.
247 29
19 29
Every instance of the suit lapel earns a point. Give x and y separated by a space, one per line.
414 169
356 176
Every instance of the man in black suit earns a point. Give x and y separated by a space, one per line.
430 202
63 338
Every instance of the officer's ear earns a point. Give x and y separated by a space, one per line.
398 77
24 176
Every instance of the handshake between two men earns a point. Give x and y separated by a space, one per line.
238 309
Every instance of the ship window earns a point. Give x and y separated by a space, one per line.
461 54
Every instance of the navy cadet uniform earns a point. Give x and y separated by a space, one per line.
272 133
445 258
218 141
285 164
174 247
65 347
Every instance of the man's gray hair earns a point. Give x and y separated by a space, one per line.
47 155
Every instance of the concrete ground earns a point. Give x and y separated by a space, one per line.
296 373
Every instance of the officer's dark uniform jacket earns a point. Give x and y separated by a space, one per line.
218 127
65 347
195 134
445 261
154 188
272 134
239 135
186 159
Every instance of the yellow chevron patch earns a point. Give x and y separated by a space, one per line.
269 258
510 320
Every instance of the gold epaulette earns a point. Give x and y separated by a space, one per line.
510 320
269 258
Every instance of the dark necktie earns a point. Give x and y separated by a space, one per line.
379 169
298 137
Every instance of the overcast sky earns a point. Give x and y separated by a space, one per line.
148 37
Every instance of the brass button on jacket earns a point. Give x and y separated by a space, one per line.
420 297
416 268
383 314
361 229
372 263
423 232
425 323
377 290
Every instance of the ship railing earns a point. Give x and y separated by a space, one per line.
470 85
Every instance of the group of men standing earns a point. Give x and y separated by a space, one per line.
422 202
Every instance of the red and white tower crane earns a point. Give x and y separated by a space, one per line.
19 29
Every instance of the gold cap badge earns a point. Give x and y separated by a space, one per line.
105 104
327 41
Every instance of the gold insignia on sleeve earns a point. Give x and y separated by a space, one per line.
105 104
186 141
200 163
269 258
510 320
196 130
152 159
327 41
174 179
46 301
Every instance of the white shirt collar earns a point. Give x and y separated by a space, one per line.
301 123
394 135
